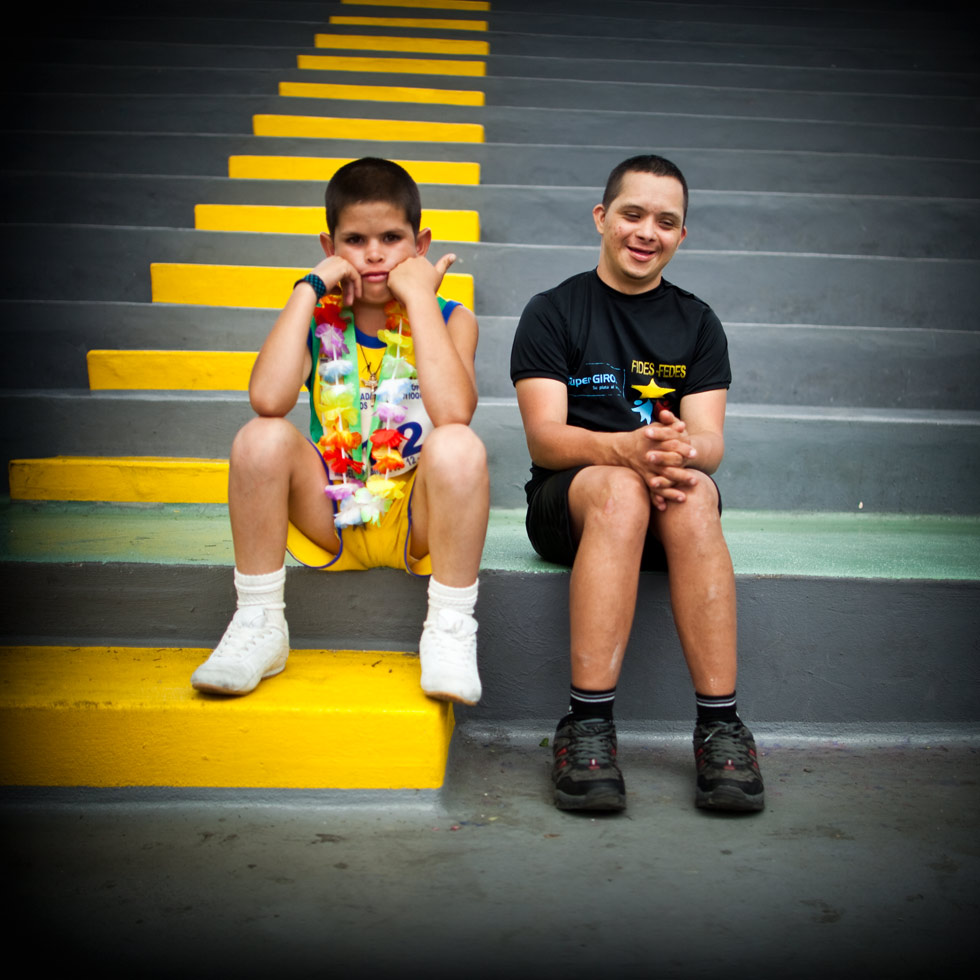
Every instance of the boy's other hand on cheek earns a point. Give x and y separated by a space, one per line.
337 271
418 273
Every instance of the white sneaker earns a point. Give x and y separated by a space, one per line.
247 653
448 653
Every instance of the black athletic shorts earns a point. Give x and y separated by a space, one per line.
549 524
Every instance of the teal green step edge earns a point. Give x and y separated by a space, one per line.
820 545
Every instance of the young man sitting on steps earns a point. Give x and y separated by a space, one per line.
392 474
622 381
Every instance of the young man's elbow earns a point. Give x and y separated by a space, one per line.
712 458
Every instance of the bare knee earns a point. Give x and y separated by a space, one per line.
612 499
264 444
455 453
697 516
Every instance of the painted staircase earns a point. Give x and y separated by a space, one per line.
160 185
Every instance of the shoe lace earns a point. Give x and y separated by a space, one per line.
239 639
725 740
591 744
452 623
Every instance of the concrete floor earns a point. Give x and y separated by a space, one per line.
867 859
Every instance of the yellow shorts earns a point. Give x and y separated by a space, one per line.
384 545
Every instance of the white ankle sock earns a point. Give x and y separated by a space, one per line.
449 597
258 594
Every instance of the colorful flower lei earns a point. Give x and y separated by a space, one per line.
364 491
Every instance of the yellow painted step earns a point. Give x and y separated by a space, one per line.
338 128
265 287
414 45
120 479
381 93
472 5
446 225
323 168
169 370
127 716
402 66
423 23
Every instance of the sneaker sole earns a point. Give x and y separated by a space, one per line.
604 800
446 696
215 689
730 798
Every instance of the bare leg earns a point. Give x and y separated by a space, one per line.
274 476
450 507
610 510
451 504
702 587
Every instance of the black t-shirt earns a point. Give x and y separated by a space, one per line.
624 358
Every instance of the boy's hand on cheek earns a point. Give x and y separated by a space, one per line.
337 271
418 273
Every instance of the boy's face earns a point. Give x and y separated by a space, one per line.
374 236
641 230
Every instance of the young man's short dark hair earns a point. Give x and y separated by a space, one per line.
373 179
650 164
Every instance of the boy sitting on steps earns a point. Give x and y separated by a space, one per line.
392 474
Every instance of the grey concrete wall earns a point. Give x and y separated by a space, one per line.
100 60
502 124
781 364
832 158
549 165
872 42
841 457
712 91
757 221
97 263
812 651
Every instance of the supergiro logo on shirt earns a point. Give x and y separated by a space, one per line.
598 379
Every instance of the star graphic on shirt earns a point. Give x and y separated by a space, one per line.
652 390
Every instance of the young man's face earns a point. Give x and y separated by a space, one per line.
640 230
374 237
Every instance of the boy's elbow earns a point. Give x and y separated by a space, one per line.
270 404
454 417
457 410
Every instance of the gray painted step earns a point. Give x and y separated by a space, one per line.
831 455
524 165
826 458
565 93
68 329
93 57
233 114
783 364
670 64
836 14
98 263
944 228
592 36
803 364
875 15
899 14
784 631
791 21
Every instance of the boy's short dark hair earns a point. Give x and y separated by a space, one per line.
372 179
649 164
